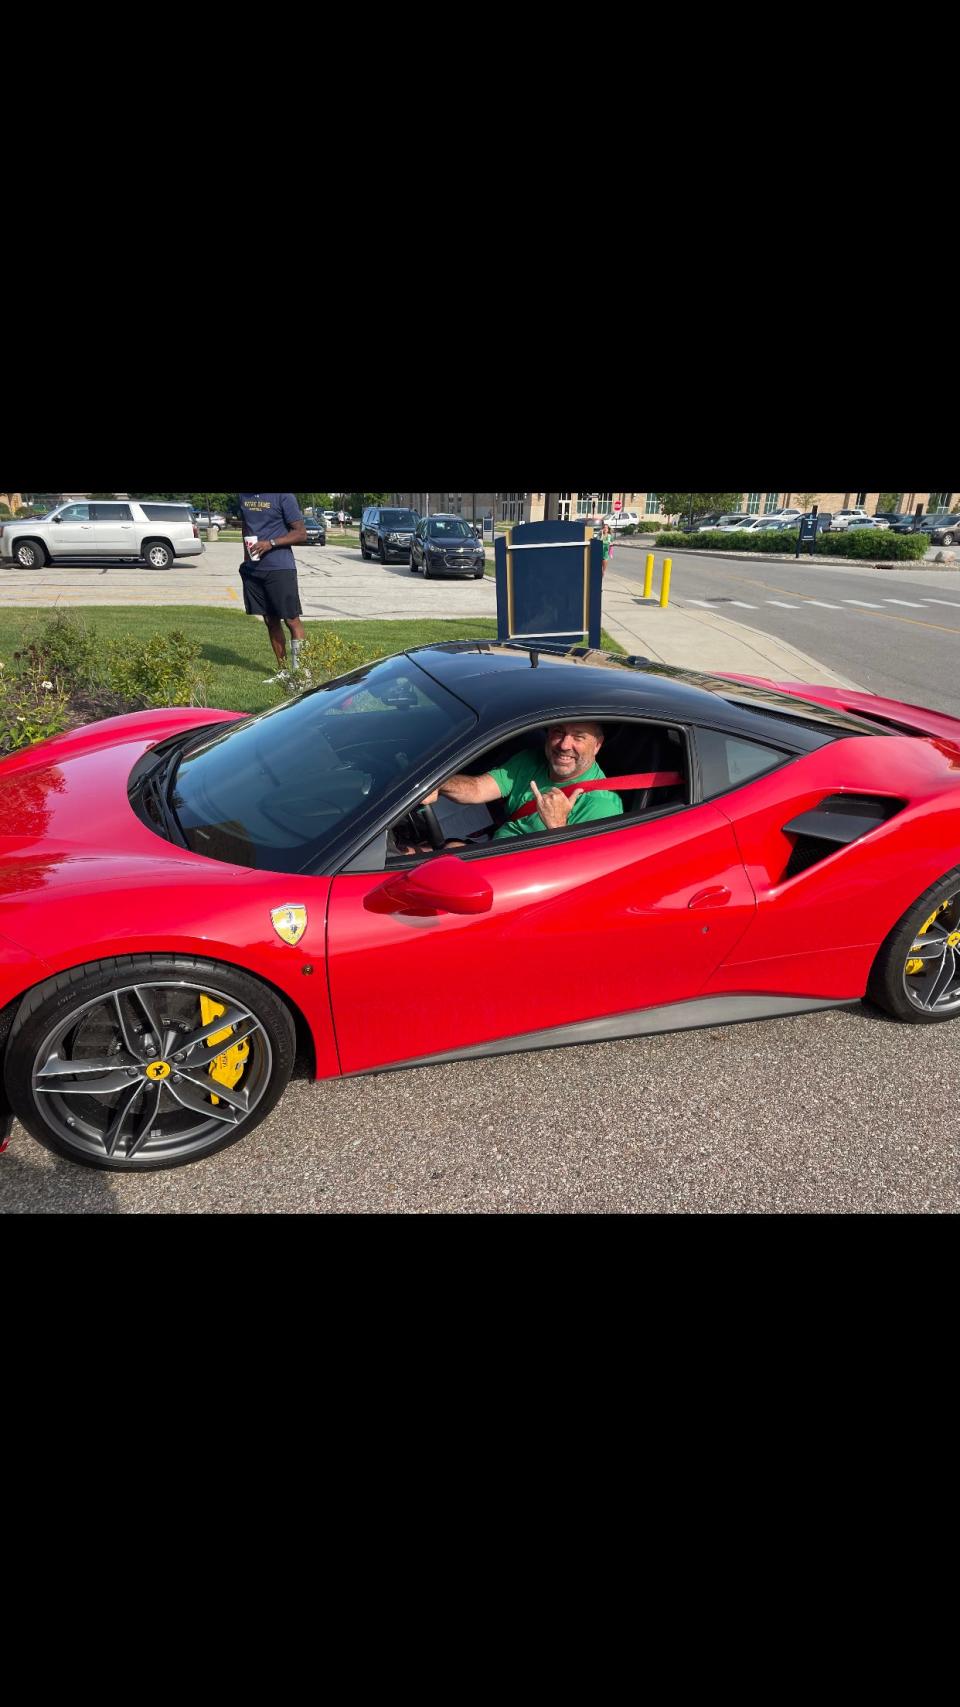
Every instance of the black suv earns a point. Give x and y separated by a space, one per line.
446 545
316 530
386 532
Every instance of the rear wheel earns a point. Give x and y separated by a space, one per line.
147 1061
948 539
158 554
916 975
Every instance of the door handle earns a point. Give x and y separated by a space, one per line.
717 896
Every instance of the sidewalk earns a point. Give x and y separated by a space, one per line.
703 640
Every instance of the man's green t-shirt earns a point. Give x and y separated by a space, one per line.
514 778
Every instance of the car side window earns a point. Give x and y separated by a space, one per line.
728 761
112 513
76 513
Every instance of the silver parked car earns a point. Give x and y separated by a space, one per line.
153 533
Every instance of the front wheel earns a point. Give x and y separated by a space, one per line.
413 564
29 554
383 553
158 554
147 1061
916 975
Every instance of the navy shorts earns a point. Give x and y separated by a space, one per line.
270 592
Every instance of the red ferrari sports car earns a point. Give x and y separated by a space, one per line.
190 898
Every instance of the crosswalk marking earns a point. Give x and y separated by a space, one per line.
861 604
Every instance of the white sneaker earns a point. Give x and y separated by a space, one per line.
281 676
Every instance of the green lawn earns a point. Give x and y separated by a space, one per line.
235 647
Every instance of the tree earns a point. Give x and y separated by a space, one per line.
889 500
681 503
808 499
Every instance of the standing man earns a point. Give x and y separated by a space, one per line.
342 518
272 525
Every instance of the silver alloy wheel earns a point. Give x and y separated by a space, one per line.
159 557
933 986
128 1073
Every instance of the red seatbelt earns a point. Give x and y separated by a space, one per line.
649 779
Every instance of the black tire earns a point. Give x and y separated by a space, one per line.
427 571
478 574
928 927
413 564
106 1011
157 554
29 554
364 553
948 539
383 553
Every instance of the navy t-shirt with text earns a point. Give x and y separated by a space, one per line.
268 515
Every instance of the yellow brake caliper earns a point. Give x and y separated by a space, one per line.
228 1066
913 964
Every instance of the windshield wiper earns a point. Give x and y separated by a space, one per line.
154 789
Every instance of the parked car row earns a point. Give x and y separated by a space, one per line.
439 545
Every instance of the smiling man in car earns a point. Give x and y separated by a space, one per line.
542 788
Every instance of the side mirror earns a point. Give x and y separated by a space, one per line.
57 519
442 885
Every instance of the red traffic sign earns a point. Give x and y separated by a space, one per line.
618 506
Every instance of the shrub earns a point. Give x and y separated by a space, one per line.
67 651
322 656
872 543
165 670
32 707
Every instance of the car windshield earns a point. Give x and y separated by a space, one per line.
398 518
275 791
443 528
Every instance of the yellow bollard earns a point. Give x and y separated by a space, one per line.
648 577
665 583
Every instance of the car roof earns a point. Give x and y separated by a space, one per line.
513 680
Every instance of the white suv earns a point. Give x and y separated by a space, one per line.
154 533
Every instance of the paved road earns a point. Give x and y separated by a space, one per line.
835 1112
375 592
895 631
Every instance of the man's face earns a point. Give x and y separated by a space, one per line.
572 749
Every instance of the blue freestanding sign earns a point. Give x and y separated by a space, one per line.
549 583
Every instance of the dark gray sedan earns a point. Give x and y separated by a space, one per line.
447 545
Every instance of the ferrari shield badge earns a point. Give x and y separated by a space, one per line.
289 923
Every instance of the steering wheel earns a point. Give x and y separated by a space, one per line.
432 828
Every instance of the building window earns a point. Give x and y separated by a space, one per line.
771 503
652 505
753 503
939 501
